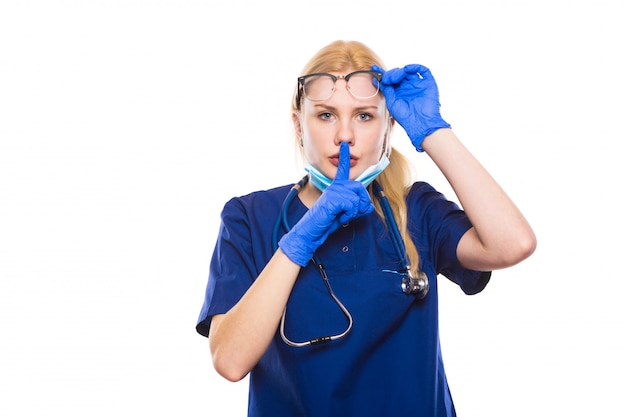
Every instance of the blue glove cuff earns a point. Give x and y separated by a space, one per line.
297 249
418 142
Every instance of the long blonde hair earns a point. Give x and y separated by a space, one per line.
398 176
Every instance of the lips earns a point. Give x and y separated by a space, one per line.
334 159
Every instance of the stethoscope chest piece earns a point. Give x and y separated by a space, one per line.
415 286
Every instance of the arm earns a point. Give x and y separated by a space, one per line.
239 338
500 236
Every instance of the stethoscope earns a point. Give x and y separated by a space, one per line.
416 286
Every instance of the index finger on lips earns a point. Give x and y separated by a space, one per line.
343 168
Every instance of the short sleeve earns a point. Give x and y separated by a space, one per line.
231 270
438 224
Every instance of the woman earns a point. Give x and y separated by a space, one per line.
327 312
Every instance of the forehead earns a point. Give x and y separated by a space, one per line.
342 73
343 100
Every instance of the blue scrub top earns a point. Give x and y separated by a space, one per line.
390 364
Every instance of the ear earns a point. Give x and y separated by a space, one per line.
297 126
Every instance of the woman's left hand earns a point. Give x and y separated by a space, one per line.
413 100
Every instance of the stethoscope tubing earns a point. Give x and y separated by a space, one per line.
392 226
410 285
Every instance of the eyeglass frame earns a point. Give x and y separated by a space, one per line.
377 75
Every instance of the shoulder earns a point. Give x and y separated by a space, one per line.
257 201
263 195
422 192
421 187
426 205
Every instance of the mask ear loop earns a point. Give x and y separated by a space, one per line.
387 142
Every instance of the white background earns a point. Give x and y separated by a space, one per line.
126 125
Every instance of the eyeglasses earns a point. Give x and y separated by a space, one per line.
320 86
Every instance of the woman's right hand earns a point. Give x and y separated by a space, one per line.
343 201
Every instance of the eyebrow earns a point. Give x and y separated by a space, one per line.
369 107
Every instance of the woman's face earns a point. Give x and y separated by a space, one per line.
323 125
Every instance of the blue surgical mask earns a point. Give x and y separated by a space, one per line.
321 181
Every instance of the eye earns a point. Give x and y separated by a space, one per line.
326 116
364 116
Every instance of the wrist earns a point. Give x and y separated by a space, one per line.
418 138
436 138
298 250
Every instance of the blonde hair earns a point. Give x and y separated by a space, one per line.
396 179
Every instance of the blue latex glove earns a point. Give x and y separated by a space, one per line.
413 100
343 201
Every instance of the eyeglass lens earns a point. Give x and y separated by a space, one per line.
322 86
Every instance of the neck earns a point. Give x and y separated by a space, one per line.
309 194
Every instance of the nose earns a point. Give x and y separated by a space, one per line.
345 124
345 133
